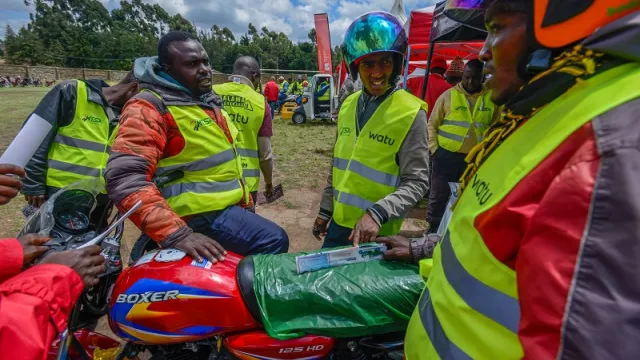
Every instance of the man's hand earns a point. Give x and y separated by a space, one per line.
31 248
10 185
320 228
87 262
196 244
268 190
398 248
365 231
35 200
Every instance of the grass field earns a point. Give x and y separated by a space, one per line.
302 152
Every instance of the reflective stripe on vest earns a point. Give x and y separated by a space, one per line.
80 150
470 306
199 188
198 165
364 167
212 171
246 110
367 172
455 127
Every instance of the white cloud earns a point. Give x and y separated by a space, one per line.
292 17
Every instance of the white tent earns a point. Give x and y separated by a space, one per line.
398 11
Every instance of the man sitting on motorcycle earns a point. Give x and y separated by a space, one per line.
175 125
35 303
540 259
380 163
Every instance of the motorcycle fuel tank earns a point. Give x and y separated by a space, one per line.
166 298
256 345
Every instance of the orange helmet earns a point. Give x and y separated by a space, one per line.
556 23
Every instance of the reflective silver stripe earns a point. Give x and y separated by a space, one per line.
480 138
479 125
251 172
464 124
450 135
79 143
484 299
354 200
73 168
444 347
200 188
367 172
108 149
373 174
247 152
340 163
202 164
336 193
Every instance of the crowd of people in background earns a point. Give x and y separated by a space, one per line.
19 81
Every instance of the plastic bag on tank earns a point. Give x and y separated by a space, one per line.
354 300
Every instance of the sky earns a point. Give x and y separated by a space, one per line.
293 17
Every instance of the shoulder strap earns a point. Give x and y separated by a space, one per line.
154 99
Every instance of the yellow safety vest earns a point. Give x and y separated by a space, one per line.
364 167
299 88
212 170
455 127
327 94
80 150
246 110
469 308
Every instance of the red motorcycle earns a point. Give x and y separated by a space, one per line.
170 305
177 308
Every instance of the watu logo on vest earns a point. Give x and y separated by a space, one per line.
91 119
344 131
236 101
384 139
239 118
462 107
197 124
481 190
482 108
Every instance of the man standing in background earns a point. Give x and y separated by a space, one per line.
459 118
297 87
251 114
84 116
436 85
271 91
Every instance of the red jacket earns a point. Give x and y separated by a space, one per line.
436 86
34 304
271 91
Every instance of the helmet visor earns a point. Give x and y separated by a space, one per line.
371 33
467 12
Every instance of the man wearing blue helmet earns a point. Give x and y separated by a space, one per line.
380 163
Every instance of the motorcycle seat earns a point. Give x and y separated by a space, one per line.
245 283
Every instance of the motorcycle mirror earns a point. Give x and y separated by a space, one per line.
98 239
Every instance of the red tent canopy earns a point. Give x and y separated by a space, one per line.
419 27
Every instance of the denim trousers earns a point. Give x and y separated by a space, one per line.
241 231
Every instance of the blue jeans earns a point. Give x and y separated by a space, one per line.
272 105
241 231
336 236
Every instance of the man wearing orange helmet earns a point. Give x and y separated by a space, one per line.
540 259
